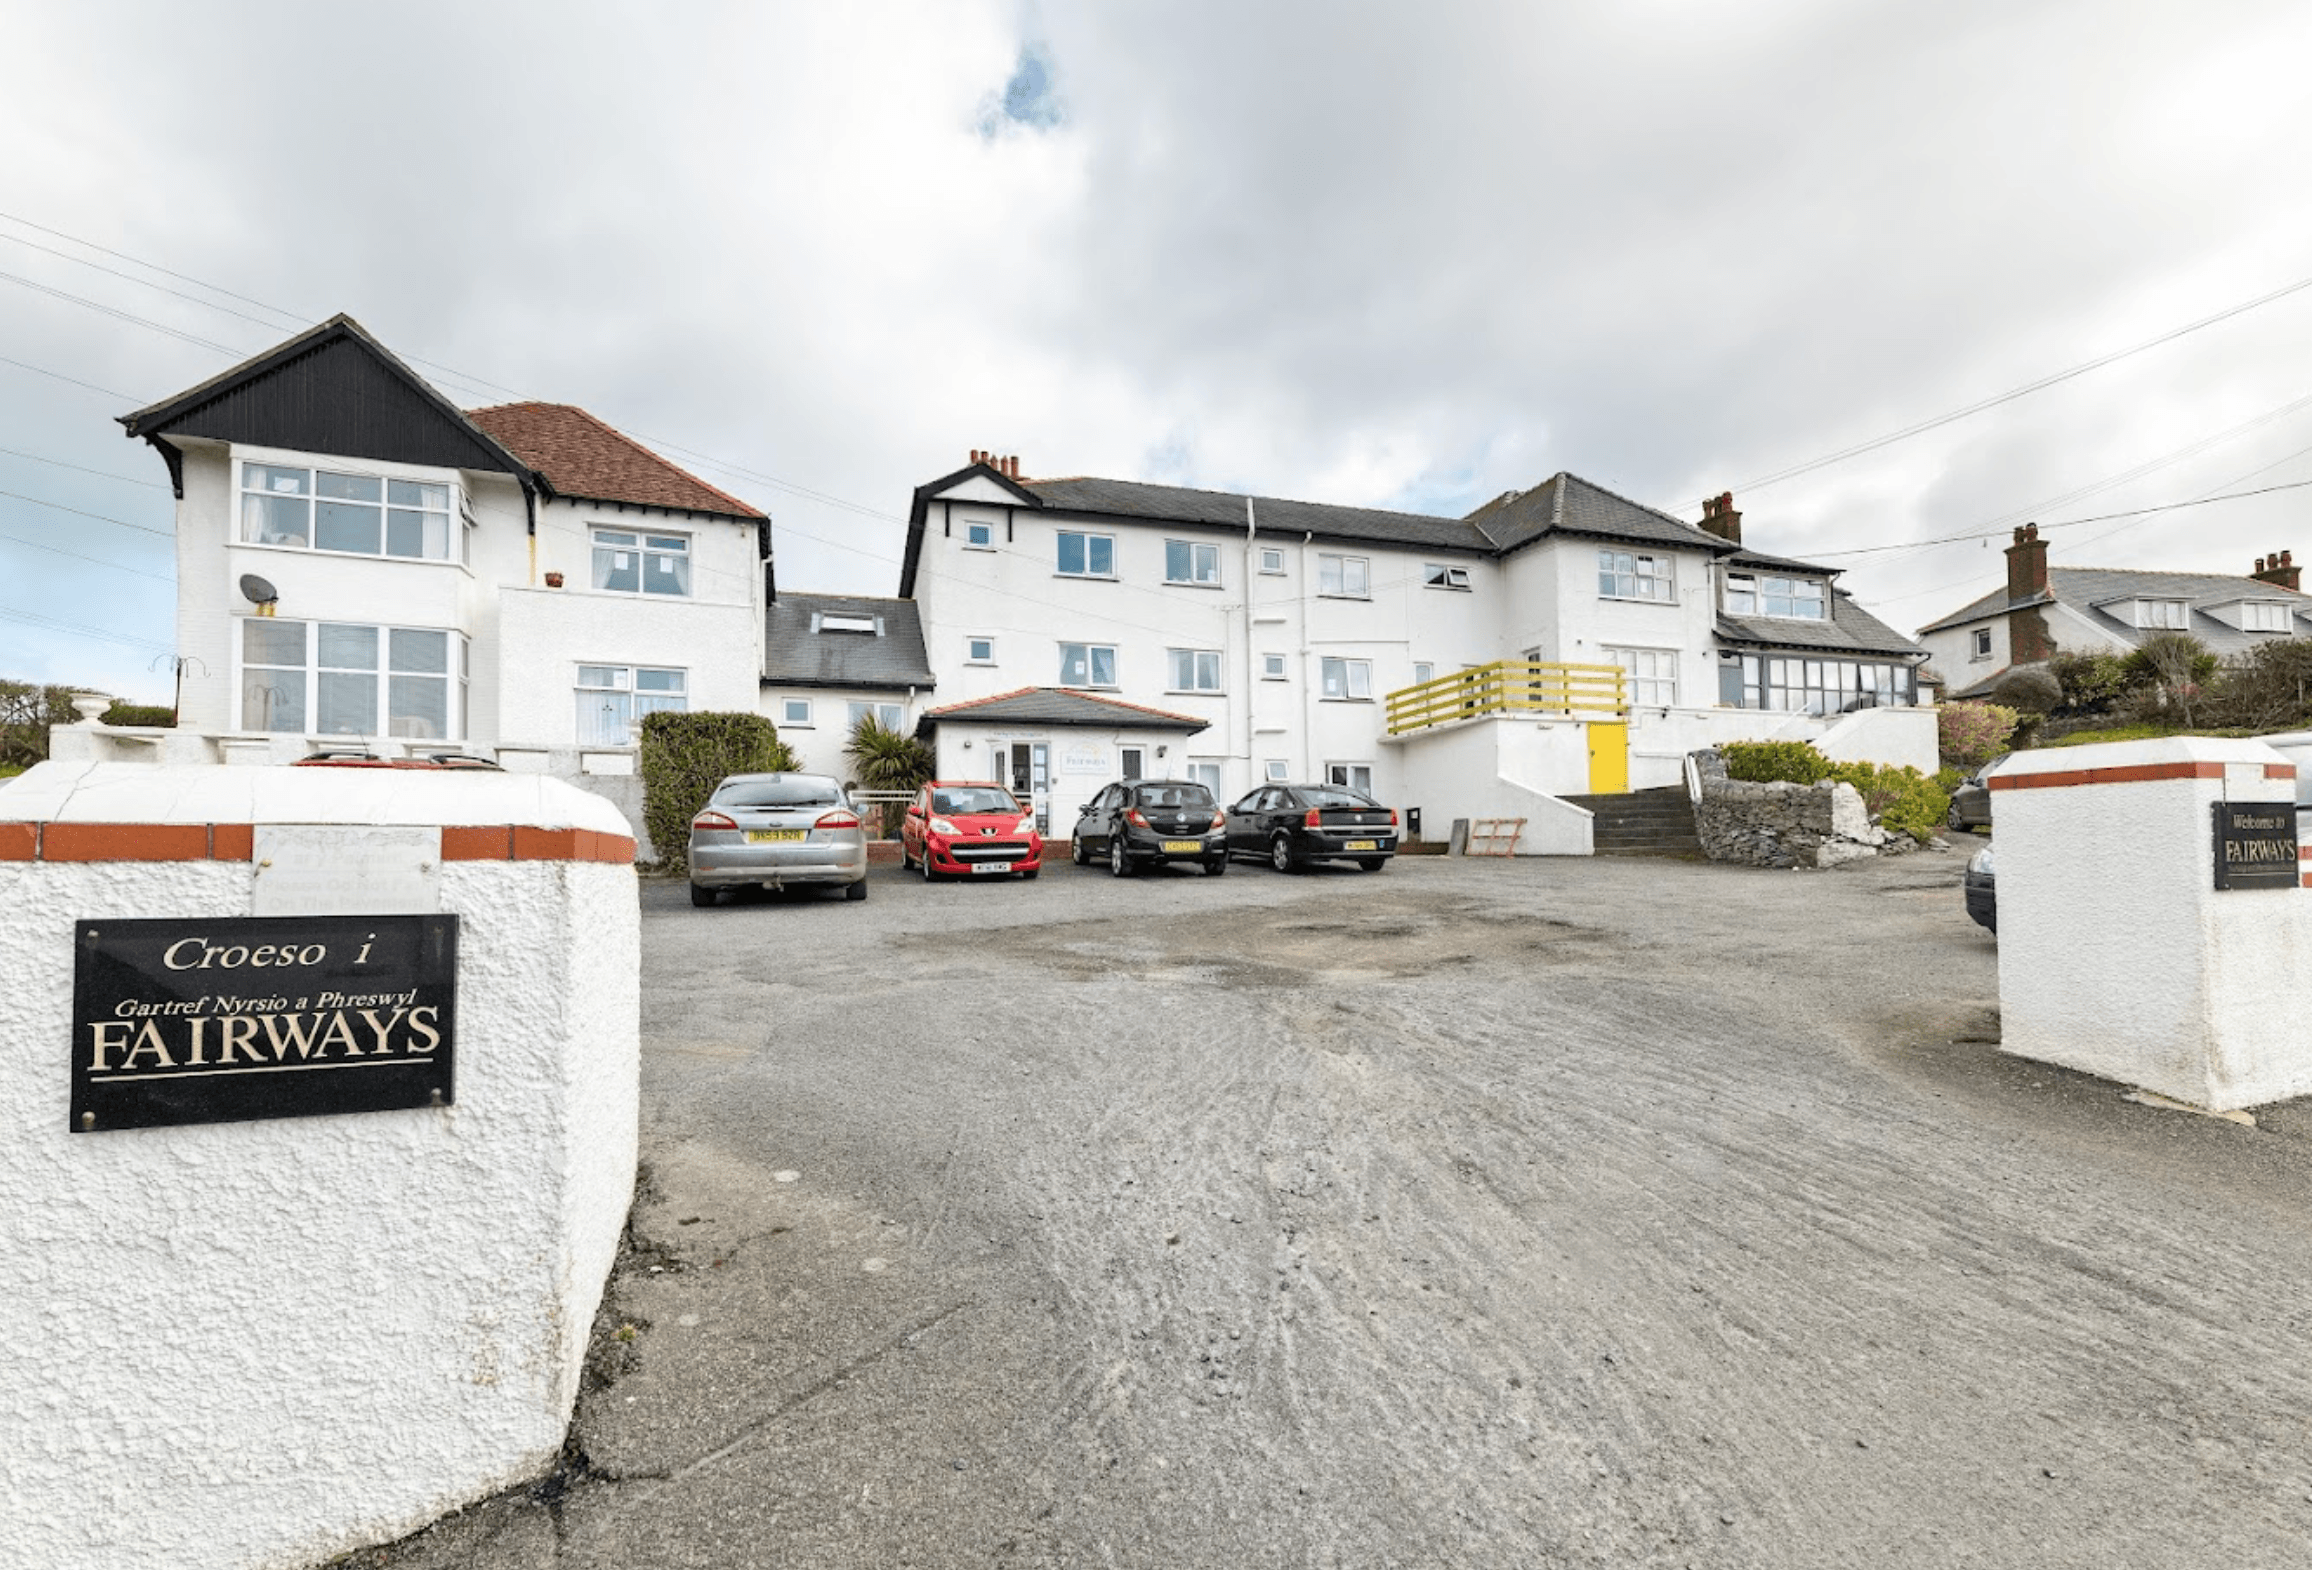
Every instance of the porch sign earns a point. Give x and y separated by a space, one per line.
231 1020
2256 845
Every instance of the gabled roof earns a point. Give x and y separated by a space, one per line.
1060 706
331 389
2083 589
1273 514
1567 504
580 456
798 653
1849 630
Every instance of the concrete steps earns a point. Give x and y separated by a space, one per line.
1643 823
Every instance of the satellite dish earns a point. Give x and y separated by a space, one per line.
257 591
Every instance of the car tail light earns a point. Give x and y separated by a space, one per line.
1314 820
714 820
838 819
1136 818
1392 817
1220 820
1026 825
942 826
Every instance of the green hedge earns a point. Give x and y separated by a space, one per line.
139 714
685 756
1900 798
1767 762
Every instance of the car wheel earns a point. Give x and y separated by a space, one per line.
1076 853
1280 855
924 861
1119 864
1372 863
856 890
1951 819
702 897
1215 867
906 862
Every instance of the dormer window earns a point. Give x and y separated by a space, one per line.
2264 616
835 622
2166 615
1752 594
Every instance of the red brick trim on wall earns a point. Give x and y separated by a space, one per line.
236 842
2131 774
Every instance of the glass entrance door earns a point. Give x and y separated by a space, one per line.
1031 779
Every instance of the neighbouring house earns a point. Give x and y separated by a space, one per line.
831 660
1558 641
2044 611
360 560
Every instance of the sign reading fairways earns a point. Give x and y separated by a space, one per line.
2256 845
198 1021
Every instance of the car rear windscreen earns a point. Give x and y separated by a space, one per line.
1336 796
1190 796
781 793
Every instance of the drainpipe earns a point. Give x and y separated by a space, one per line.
1251 676
1309 678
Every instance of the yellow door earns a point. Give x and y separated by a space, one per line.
1609 749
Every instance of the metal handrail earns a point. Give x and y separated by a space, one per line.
1511 687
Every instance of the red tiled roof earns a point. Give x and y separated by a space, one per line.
581 456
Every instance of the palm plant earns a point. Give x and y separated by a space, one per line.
885 759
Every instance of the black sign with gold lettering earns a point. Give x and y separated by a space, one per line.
2256 845
224 1021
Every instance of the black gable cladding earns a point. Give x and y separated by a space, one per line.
336 391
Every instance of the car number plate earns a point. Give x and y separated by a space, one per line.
773 836
979 867
1364 844
1182 847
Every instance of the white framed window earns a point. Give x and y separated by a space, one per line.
1749 594
1278 768
1087 665
352 679
1423 671
1272 668
2169 615
1194 670
1347 680
979 651
347 514
795 711
1631 575
978 534
888 715
1272 561
1982 644
1086 555
612 699
1650 676
1206 774
1189 561
2263 616
1344 577
1436 575
1356 776
627 562
1133 761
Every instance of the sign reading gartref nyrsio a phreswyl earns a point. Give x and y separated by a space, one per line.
222 1021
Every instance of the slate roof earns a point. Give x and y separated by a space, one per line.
1850 630
579 455
1225 509
2081 589
796 656
1567 504
1060 706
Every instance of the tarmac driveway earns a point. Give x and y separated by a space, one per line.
1472 1213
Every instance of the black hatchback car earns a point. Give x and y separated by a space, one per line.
1143 823
1289 826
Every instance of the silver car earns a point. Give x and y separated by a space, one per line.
776 831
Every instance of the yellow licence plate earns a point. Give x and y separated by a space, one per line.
774 836
1182 847
1364 844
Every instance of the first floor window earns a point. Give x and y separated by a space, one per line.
1087 665
1347 679
1186 561
1794 685
1435 575
629 563
1087 555
1194 670
1423 671
888 715
1347 576
1280 768
358 514
1748 594
352 679
612 699
1629 575
1650 676
979 651
1982 643
979 536
1271 560
1356 776
1272 667
795 711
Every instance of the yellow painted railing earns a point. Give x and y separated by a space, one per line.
1510 687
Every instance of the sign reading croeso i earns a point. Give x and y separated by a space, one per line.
199 1021
2256 845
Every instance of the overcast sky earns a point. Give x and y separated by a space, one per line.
1395 255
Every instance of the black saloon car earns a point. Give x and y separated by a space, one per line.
1141 823
1289 826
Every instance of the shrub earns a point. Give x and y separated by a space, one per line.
886 759
2167 677
2090 682
138 714
2267 689
1972 734
2028 690
684 756
1765 762
1899 797
27 710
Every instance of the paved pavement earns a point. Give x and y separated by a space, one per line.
1471 1213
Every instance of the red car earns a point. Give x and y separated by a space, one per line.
969 828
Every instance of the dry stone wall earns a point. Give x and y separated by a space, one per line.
1783 825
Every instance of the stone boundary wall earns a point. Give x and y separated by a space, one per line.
1784 825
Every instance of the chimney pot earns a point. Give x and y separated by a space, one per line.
1720 518
2027 565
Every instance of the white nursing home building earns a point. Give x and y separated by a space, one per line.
1558 642
361 563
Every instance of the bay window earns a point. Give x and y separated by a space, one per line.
352 679
348 514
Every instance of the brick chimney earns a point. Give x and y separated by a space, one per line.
1720 518
2279 571
1008 467
2026 565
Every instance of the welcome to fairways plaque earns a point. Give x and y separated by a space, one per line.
200 1021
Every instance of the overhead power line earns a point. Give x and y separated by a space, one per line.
102 474
2069 523
25 365
85 513
2013 393
51 624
